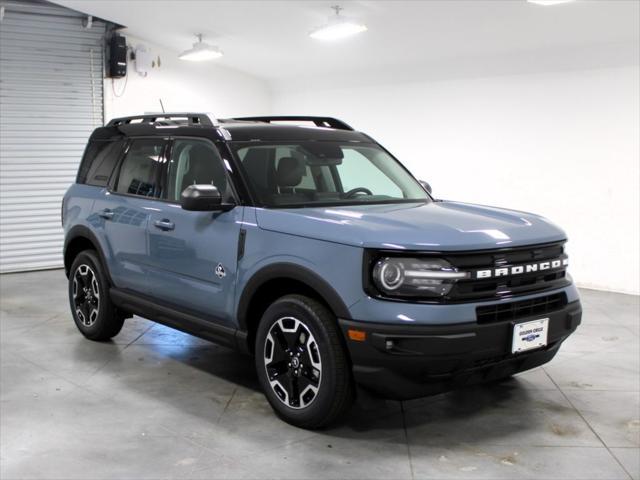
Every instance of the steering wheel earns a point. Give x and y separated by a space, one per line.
353 191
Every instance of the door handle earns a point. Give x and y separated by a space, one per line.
164 224
107 214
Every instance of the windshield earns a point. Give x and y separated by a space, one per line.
291 174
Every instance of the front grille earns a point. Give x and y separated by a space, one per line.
521 309
492 288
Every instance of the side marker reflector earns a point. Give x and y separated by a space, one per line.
357 335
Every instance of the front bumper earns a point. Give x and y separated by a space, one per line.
409 361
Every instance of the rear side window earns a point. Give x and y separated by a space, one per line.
139 170
99 160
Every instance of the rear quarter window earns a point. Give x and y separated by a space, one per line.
99 161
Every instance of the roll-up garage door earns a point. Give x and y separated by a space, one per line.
51 98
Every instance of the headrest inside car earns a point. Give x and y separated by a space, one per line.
290 172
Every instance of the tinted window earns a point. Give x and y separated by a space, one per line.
139 170
99 160
195 162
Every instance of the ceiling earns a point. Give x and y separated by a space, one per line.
269 39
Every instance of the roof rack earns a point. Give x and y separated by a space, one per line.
327 122
165 119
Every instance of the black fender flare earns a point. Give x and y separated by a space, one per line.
294 272
81 231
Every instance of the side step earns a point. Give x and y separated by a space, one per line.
206 328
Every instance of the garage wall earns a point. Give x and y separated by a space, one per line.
565 145
50 101
185 87
50 107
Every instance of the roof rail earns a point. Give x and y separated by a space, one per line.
327 122
165 119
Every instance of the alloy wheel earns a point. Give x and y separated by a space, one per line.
86 295
292 362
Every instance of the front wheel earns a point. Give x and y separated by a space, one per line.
94 314
302 364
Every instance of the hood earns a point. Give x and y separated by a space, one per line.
438 226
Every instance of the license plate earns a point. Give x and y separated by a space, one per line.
530 335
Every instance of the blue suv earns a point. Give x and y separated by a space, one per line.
308 245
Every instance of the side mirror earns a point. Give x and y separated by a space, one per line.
426 186
203 198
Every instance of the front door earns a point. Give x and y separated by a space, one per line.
194 254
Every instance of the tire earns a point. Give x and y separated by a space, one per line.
302 364
92 310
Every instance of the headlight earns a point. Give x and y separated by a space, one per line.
415 277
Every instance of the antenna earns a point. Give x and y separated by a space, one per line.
161 105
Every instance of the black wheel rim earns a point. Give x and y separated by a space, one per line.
292 362
86 295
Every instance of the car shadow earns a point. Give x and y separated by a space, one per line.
484 412
443 415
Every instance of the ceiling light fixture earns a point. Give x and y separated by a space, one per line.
547 3
338 27
200 51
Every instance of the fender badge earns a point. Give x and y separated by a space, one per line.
220 271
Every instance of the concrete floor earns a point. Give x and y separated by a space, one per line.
156 403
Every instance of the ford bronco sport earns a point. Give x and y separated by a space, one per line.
311 247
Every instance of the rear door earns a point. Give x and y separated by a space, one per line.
122 212
193 255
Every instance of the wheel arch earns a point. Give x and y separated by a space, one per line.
78 239
276 280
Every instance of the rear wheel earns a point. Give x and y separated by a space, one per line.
92 310
302 364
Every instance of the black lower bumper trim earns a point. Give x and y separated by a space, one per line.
410 361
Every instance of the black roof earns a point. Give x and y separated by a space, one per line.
233 129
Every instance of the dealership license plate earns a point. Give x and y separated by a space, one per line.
530 335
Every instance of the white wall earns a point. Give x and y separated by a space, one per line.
185 87
565 145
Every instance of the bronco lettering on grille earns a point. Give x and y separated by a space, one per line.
520 269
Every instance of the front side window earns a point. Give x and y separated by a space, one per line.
195 162
330 173
139 169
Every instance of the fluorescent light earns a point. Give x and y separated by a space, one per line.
338 27
200 51
549 2
337 31
198 54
